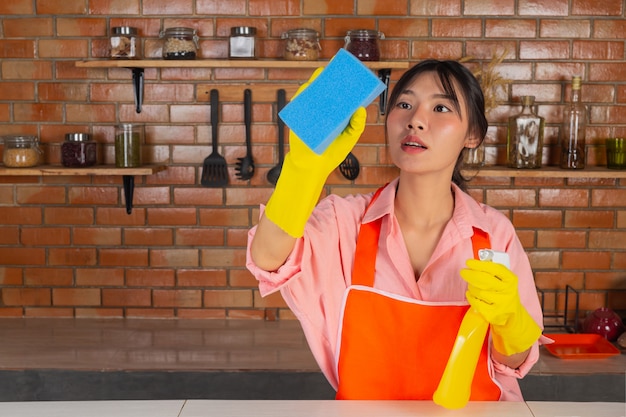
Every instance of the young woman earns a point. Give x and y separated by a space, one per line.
380 282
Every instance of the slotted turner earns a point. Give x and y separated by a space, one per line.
245 166
350 167
214 168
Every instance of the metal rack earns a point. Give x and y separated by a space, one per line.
561 321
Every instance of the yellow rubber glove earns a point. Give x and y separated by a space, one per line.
304 173
492 291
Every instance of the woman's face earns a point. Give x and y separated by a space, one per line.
425 130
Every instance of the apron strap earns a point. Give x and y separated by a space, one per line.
364 268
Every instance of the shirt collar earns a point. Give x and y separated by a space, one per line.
468 213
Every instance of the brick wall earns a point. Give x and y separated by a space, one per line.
68 248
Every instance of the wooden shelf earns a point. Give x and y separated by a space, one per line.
127 174
546 172
225 63
45 170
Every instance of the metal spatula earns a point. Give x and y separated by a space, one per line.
214 168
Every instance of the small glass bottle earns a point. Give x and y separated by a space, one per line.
363 43
525 137
475 157
78 150
573 130
124 42
301 45
21 151
128 138
179 43
242 42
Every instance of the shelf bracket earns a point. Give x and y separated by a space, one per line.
384 74
129 188
138 87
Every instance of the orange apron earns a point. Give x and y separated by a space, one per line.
394 347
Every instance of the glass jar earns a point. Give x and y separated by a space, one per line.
128 138
124 42
363 43
525 137
78 150
242 42
475 157
179 43
301 45
21 151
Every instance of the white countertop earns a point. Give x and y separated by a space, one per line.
303 408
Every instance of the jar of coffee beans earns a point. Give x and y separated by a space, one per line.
301 45
363 43
180 43
78 150
21 151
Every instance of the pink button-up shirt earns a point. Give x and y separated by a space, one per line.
317 272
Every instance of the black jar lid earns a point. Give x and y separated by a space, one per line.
242 31
77 137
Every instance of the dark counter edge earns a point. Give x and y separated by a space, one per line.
64 385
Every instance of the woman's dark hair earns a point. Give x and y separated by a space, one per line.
448 72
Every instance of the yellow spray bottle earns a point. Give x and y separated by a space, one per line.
455 386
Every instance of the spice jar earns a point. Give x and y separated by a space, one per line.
128 138
78 150
363 43
180 43
242 42
301 45
124 42
21 151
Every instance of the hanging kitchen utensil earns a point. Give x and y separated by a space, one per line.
274 173
245 165
214 168
350 167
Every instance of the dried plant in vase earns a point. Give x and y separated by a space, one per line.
490 81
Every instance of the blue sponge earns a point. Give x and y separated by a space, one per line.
322 111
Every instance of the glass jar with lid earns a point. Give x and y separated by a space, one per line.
21 151
78 150
301 45
124 42
242 42
128 138
180 43
363 43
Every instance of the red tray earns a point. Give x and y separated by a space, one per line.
580 346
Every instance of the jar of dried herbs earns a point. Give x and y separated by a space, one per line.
128 138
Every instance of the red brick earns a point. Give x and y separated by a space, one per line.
561 239
584 218
435 7
148 237
200 278
22 256
586 260
150 277
174 258
108 7
103 236
9 235
381 8
11 276
557 197
157 7
605 8
177 298
227 298
123 257
25 297
486 7
76 297
126 297
543 8
607 240
99 277
72 256
45 236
